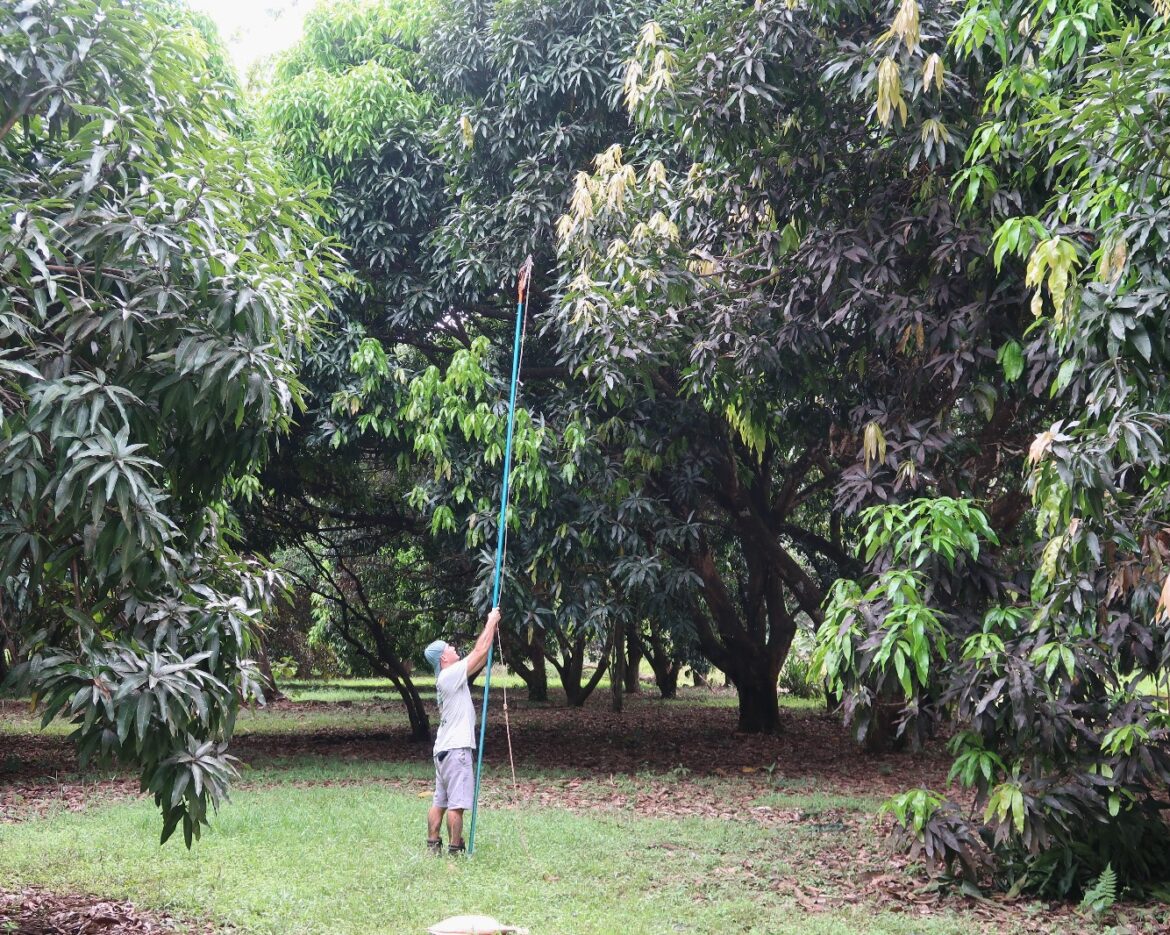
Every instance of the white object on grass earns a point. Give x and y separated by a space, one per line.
473 925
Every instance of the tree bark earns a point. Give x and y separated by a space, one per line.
666 668
385 661
572 667
526 659
633 661
759 711
274 692
881 735
749 642
617 675
538 686
393 668
420 725
667 681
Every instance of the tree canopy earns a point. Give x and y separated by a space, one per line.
707 401
160 282
1047 675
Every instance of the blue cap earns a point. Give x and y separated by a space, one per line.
434 653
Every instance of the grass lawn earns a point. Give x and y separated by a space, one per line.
607 831
349 859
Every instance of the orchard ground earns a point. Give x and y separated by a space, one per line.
660 819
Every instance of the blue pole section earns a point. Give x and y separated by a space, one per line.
487 681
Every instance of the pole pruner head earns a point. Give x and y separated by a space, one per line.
525 277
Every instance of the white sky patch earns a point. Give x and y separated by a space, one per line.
255 29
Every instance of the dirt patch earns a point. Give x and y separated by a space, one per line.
28 754
36 912
20 801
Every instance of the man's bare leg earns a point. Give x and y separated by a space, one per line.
455 827
435 824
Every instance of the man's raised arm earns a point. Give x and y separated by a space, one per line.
478 656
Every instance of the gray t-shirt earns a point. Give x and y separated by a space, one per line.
456 712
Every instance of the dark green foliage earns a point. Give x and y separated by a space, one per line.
1047 673
159 280
449 151
732 362
779 313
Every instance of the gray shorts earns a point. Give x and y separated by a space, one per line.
455 779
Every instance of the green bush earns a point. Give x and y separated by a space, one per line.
799 677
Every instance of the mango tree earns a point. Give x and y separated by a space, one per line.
1049 678
448 134
160 281
779 315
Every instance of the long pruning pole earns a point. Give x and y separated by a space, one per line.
502 533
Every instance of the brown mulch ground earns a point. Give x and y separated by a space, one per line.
650 736
35 912
680 742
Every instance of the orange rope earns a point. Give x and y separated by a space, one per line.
507 723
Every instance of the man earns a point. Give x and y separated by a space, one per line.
455 741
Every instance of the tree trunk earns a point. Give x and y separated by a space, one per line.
750 638
617 675
759 708
666 668
633 661
881 735
416 713
274 692
385 661
755 682
667 681
4 664
749 573
420 725
526 659
538 684
392 667
572 667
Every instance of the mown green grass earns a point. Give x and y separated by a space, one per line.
363 719
350 860
24 722
802 796
334 845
